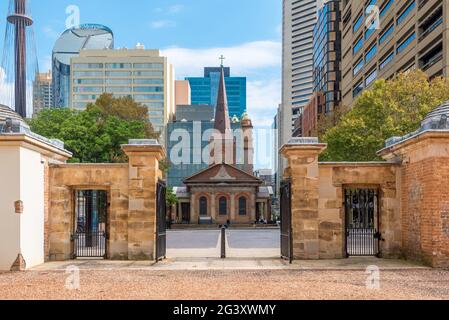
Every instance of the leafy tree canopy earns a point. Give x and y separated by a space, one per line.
391 108
95 135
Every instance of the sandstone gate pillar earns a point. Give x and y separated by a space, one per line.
302 155
144 156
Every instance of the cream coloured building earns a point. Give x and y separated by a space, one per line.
144 75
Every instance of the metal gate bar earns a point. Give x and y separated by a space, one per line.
161 221
90 237
362 222
286 221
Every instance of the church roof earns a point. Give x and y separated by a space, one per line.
222 119
223 174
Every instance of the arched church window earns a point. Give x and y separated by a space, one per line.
242 206
223 206
203 206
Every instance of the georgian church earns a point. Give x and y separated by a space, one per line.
227 190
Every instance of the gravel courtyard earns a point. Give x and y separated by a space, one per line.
225 285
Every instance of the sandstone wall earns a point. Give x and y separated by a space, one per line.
64 180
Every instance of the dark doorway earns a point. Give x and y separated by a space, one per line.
90 235
203 206
362 222
185 208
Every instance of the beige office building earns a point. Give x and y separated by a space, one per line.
183 93
42 92
411 34
144 75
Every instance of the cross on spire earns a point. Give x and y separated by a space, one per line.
222 59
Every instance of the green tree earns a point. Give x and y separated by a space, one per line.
171 199
96 134
391 108
125 108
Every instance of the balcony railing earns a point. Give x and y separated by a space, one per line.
431 28
432 61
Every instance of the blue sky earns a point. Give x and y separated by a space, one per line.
192 33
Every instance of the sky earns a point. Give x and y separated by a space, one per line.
191 33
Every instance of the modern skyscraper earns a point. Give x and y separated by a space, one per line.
327 57
299 18
69 45
298 21
42 92
326 69
205 90
142 74
411 34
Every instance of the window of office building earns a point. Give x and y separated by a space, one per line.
118 65
88 89
88 66
370 77
88 74
88 81
118 81
406 12
149 74
155 66
148 81
118 73
118 89
148 89
406 42
371 53
386 61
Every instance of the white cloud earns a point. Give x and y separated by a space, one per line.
244 58
163 24
50 32
177 8
264 97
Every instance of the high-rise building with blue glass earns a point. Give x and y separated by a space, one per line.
205 90
68 46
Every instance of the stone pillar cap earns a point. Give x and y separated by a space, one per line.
143 142
304 143
144 145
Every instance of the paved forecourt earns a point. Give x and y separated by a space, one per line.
244 243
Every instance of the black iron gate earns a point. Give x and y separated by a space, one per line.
90 237
161 221
286 221
362 222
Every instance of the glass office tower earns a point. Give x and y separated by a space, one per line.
205 90
69 45
327 58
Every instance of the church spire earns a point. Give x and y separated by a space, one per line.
222 120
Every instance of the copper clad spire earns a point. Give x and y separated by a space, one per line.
222 120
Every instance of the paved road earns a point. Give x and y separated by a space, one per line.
238 239
254 239
192 239
260 243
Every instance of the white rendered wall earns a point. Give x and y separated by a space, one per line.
32 195
9 193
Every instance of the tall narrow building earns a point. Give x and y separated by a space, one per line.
42 92
299 19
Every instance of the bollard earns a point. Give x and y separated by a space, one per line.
223 242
